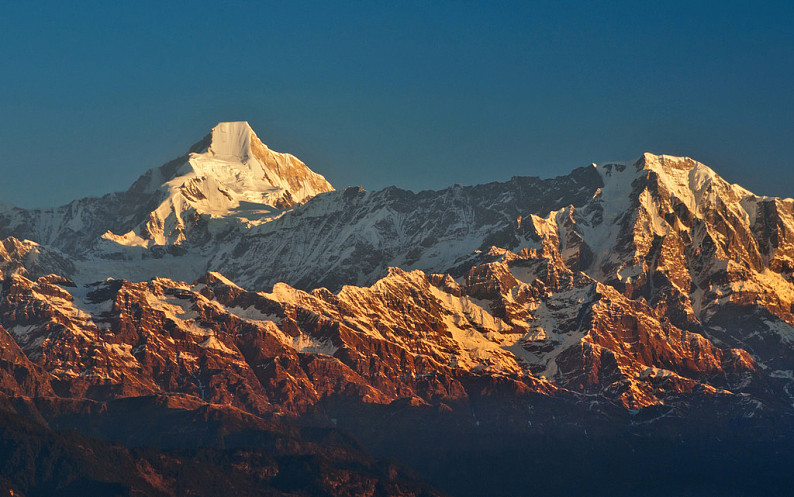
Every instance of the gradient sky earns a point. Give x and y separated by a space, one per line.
92 94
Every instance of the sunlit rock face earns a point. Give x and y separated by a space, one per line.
524 320
634 281
235 276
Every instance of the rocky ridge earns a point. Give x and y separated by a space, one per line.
634 292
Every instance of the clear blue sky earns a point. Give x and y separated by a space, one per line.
92 94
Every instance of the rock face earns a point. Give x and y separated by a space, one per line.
421 338
631 292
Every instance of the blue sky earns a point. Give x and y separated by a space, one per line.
378 93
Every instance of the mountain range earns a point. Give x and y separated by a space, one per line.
233 313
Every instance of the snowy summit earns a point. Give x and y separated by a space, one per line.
229 173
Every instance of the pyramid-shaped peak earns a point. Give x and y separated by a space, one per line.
230 173
236 157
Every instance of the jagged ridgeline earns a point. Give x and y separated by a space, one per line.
648 298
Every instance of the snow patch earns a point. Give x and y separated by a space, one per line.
212 342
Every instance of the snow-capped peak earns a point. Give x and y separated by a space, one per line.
642 201
229 174
683 177
238 159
